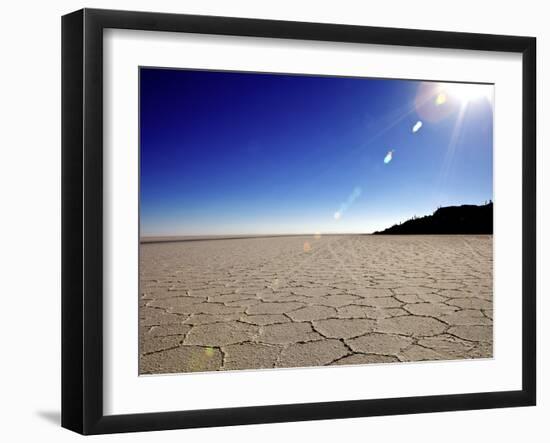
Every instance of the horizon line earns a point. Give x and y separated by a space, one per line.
177 239
199 237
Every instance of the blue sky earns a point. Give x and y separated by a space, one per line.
225 153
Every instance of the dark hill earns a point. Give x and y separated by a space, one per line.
465 219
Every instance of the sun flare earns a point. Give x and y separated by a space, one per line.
436 101
465 92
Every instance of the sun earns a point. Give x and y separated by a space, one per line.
436 101
464 92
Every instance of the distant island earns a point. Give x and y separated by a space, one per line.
465 219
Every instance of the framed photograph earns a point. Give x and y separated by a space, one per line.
268 221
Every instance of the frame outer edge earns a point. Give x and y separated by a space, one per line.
93 222
72 222
529 220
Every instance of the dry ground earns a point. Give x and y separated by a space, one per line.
303 301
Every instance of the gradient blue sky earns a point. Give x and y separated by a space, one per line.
244 153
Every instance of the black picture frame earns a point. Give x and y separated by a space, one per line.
82 218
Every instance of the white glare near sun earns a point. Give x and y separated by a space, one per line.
465 92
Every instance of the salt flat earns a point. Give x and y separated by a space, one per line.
267 302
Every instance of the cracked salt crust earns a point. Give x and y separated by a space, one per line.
262 303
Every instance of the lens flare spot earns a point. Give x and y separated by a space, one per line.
355 194
417 126
441 99
209 352
307 247
389 156
433 102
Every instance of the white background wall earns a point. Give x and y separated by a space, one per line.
30 217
